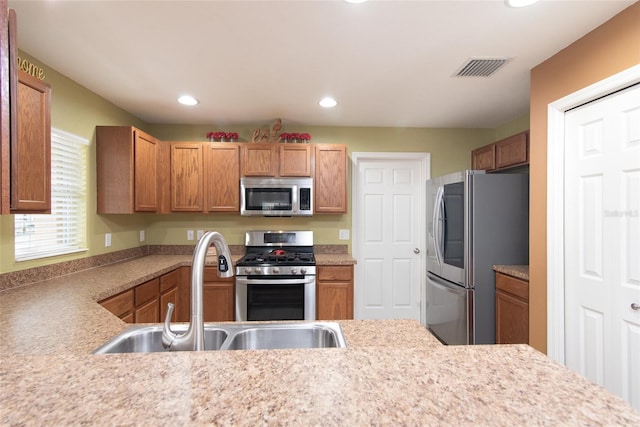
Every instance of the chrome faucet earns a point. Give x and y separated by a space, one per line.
193 339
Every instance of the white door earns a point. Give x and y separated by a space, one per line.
602 242
389 233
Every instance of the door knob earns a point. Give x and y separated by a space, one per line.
416 251
635 306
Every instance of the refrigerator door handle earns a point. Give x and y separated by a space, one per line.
438 220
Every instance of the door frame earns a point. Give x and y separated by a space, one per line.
356 158
555 199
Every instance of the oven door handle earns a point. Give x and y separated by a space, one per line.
275 280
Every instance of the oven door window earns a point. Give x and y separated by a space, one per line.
275 302
268 199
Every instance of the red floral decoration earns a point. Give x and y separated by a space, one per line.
304 136
232 135
285 136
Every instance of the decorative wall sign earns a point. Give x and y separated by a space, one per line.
29 68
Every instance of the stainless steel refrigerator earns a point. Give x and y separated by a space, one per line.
474 221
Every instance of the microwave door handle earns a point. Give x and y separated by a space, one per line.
438 219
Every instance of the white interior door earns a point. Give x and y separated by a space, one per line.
389 233
602 242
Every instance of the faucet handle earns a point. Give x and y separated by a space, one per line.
167 334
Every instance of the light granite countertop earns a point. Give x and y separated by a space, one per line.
393 373
519 271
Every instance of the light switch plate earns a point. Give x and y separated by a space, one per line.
199 234
142 235
189 234
343 235
107 239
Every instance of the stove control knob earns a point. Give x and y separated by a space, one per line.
303 271
294 271
247 270
256 270
276 270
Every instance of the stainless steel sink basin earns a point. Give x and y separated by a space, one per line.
148 339
233 336
280 336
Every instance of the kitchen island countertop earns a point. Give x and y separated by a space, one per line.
393 372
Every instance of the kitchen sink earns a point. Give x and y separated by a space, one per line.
148 339
233 336
295 335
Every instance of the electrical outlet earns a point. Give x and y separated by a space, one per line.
107 239
343 235
200 234
142 235
189 234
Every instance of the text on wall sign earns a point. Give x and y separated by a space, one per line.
29 68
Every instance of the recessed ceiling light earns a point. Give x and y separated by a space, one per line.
355 1
519 3
187 100
328 102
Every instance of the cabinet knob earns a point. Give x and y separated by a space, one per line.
416 251
635 306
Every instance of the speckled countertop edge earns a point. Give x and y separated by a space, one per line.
519 271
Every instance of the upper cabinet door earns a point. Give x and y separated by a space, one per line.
187 177
31 149
259 160
223 177
145 171
295 160
330 178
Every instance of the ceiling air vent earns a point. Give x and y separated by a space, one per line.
481 67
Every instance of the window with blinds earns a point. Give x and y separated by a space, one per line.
64 230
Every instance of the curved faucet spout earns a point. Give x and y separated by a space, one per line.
193 339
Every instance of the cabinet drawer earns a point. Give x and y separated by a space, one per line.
119 304
513 285
335 273
170 280
147 291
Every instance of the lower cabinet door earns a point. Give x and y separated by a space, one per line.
218 302
171 296
147 312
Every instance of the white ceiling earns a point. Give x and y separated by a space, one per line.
388 63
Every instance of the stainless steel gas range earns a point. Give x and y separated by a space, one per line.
276 279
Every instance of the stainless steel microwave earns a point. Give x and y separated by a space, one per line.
276 196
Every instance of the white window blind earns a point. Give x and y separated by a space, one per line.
64 230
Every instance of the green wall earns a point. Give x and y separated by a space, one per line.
77 110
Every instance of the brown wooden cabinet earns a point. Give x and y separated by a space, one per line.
330 180
121 305
295 160
484 158
506 153
218 297
7 73
187 177
205 177
127 170
276 160
334 292
31 149
25 137
147 302
169 293
222 180
512 310
259 159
